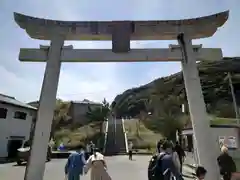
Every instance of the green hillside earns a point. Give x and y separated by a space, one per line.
214 82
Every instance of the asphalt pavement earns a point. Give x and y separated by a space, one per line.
119 168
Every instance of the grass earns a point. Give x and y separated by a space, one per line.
148 136
145 140
237 161
77 135
223 121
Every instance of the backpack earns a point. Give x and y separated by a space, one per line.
154 167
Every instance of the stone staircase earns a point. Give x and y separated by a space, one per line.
110 141
120 137
115 142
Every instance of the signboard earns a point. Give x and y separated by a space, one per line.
221 140
231 142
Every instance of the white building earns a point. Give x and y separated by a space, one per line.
15 124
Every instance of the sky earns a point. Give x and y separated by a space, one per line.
96 81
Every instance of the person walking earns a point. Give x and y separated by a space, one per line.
159 144
130 150
167 165
226 164
75 164
181 154
176 160
200 173
88 151
92 147
97 164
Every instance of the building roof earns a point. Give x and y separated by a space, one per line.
86 101
12 101
201 27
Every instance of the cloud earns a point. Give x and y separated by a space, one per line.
99 80
12 85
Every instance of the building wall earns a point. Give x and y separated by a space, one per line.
12 127
77 111
228 132
223 131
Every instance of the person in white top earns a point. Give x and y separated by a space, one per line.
98 166
130 148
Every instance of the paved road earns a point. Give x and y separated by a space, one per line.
119 167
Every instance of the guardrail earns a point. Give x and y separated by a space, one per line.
125 136
105 138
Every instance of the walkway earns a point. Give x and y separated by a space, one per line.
118 166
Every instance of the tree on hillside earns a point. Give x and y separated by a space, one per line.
167 116
61 116
99 113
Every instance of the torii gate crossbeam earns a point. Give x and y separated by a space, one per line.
106 55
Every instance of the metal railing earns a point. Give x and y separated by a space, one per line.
125 136
105 138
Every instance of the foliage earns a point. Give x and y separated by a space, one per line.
99 113
146 139
163 97
73 134
72 138
61 117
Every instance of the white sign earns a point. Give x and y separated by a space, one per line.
221 140
229 141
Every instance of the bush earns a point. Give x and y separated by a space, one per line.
74 137
139 143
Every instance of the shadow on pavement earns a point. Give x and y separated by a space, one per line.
6 161
16 165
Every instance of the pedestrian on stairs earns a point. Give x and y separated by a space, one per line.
130 149
92 147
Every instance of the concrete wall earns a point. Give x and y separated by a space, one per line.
12 128
77 111
224 131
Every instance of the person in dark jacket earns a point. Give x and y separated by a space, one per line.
159 145
181 154
168 168
200 173
226 164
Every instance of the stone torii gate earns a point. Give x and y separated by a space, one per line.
121 32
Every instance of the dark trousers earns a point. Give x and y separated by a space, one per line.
87 155
227 176
130 155
181 163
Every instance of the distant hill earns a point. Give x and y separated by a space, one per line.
214 82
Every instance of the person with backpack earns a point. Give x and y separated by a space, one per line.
161 166
75 164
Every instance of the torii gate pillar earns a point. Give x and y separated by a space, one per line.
45 112
197 109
